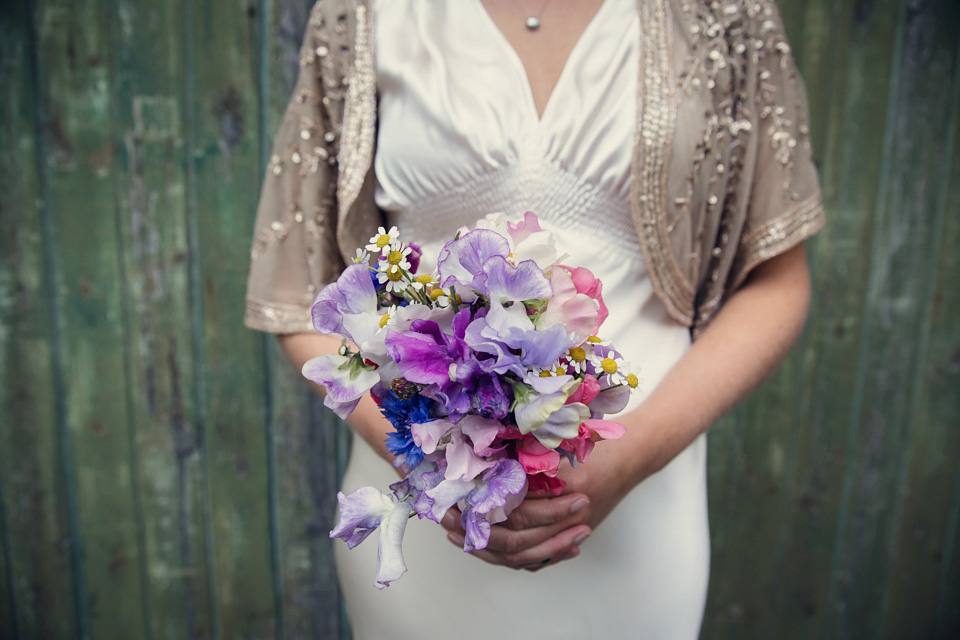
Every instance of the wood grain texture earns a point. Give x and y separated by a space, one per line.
920 564
306 434
785 489
165 445
895 318
74 50
223 180
38 595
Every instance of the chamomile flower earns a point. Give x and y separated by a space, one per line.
607 363
381 242
422 281
442 299
578 358
397 255
389 317
392 276
361 257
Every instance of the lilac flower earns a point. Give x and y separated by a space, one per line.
462 461
427 435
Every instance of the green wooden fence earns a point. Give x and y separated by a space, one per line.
164 474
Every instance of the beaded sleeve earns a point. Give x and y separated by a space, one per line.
294 248
784 206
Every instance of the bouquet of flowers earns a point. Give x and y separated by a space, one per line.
489 369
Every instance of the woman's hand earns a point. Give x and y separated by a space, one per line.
539 532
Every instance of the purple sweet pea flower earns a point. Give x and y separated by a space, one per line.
351 295
506 283
477 530
462 461
609 401
461 262
343 379
421 357
507 334
505 478
495 487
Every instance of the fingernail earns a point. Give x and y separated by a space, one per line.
579 505
455 539
579 540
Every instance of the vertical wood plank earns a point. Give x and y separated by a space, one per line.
894 315
8 605
851 152
791 461
38 598
224 146
306 435
165 446
75 54
921 561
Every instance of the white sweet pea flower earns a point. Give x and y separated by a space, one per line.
541 410
366 510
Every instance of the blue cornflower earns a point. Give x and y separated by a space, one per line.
402 413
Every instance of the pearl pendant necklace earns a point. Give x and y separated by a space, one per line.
532 22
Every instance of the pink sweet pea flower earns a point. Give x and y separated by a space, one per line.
577 312
590 286
541 465
588 390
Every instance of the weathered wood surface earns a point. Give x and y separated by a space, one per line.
165 474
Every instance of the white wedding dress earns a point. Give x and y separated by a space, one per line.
459 137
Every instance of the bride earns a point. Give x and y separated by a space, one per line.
665 144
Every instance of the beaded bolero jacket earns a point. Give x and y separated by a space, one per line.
722 172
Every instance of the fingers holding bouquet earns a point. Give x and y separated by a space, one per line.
540 532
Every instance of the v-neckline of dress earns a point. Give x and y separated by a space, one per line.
538 117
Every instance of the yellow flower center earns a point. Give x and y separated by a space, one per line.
545 374
384 319
609 366
394 257
578 354
594 339
632 381
436 293
561 371
383 240
394 273
424 278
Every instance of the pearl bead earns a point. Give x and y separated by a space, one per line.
533 23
